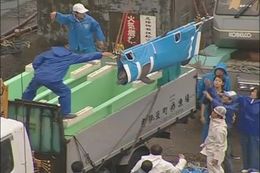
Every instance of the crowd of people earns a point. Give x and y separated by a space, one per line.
51 66
221 110
214 91
220 107
159 165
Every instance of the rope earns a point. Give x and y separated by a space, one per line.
118 37
124 25
18 12
241 67
131 125
145 120
11 47
251 69
86 155
119 47
198 15
204 8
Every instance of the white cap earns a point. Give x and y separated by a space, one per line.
79 8
220 110
230 94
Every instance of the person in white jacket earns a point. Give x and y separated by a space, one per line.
216 142
159 164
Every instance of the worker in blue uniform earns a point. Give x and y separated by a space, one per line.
221 71
248 127
50 67
84 30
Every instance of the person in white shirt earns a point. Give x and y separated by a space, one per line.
216 142
159 164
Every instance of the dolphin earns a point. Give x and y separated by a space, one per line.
122 76
173 47
144 73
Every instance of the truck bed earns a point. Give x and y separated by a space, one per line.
109 115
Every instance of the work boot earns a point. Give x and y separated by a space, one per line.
69 116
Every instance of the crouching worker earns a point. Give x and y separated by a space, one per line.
216 142
50 67
159 164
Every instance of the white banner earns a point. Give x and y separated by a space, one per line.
148 28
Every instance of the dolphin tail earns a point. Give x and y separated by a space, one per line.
145 71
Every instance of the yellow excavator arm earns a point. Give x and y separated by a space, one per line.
4 99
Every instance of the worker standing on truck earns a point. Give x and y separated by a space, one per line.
159 164
84 30
50 67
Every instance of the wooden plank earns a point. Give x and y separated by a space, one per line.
99 72
80 116
84 70
29 68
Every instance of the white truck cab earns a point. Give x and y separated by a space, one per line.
16 154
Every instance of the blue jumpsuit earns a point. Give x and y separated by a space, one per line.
82 33
201 87
50 67
248 126
210 76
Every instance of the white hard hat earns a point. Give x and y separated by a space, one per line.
230 94
220 110
79 8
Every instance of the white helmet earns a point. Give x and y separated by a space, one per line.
220 110
79 8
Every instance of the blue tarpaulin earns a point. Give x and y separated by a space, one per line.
174 47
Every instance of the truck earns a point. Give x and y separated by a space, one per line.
111 129
113 121
16 153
